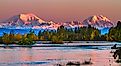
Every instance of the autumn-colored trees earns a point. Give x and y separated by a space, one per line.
26 39
31 35
6 39
18 37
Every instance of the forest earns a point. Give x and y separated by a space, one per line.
62 34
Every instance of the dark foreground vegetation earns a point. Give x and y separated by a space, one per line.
117 54
78 34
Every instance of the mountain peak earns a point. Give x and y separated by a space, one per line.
29 17
98 18
98 21
24 19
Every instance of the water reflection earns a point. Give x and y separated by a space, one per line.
50 56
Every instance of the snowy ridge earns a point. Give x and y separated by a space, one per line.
31 21
23 20
30 17
98 22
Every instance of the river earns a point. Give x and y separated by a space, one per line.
50 56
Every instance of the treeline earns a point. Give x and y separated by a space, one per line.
115 33
77 34
26 39
62 34
82 34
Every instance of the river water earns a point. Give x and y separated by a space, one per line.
50 56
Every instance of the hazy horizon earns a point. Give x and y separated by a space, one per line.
61 10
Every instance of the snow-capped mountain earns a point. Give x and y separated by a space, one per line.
24 20
29 20
98 22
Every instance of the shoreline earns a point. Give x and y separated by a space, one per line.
56 45
66 44
49 42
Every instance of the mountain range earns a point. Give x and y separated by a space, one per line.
30 20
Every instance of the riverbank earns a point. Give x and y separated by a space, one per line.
47 42
60 45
